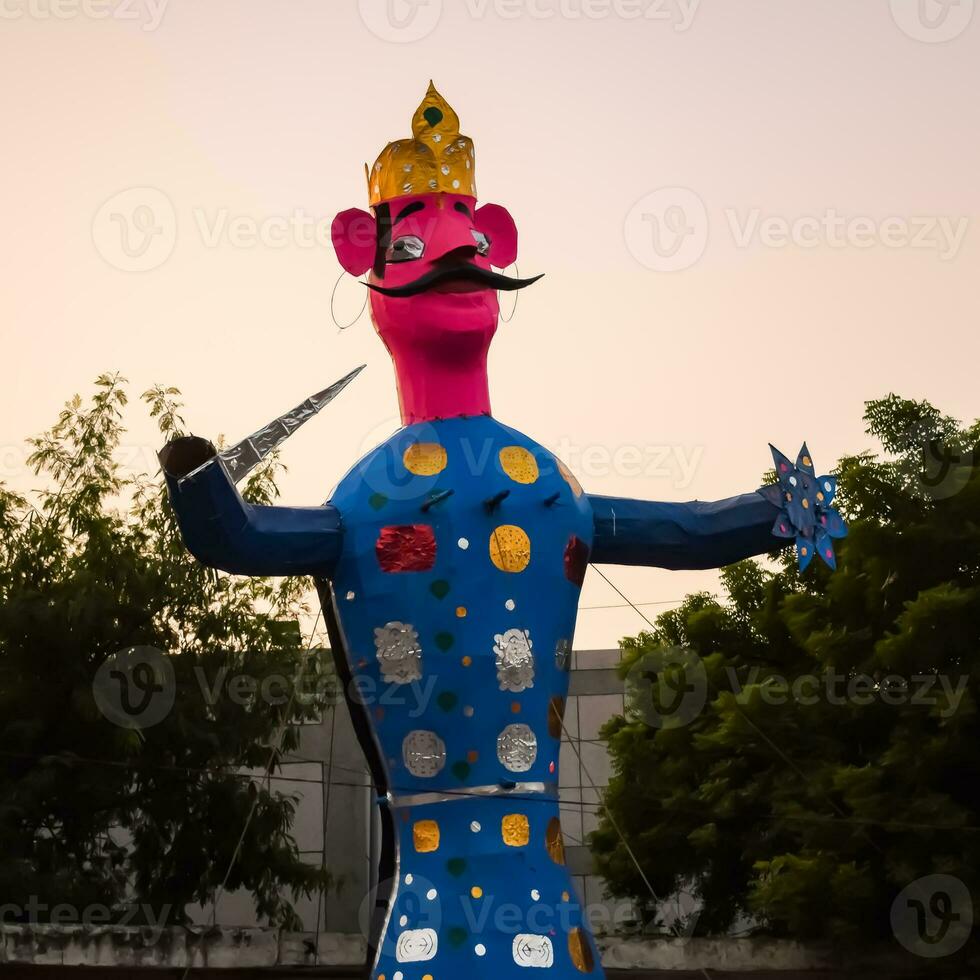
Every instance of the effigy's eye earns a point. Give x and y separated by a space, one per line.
405 249
482 242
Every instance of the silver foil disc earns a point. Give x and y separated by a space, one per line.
563 654
399 653
517 748
416 945
532 950
515 663
423 753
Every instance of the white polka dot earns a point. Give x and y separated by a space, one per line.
535 896
398 976
468 711
350 596
431 894
455 184
475 827
510 605
826 487
480 949
403 921
409 879
463 543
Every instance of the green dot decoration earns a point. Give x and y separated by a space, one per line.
433 115
447 700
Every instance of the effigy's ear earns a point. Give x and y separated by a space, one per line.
496 223
354 237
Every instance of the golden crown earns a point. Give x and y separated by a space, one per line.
436 158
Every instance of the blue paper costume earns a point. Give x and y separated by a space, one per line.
450 561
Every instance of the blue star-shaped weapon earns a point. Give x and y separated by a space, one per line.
804 501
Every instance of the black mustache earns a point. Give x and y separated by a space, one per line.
468 273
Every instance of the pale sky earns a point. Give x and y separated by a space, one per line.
753 215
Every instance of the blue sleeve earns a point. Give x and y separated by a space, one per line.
696 534
221 530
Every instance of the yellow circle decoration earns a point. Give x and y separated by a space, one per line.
425 836
515 830
460 611
553 842
425 458
569 478
476 891
510 548
519 464
580 951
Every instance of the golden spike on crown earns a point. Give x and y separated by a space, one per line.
436 157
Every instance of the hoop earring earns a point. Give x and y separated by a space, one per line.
517 296
333 294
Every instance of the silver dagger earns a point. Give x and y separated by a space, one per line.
244 456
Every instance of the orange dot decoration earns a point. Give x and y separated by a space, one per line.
515 830
580 951
425 836
553 841
425 458
569 478
519 464
556 716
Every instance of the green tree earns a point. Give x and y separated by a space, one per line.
94 813
807 807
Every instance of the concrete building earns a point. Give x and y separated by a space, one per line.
337 823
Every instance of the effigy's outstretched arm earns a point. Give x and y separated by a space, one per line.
696 534
710 534
223 531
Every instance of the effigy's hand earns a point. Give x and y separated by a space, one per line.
804 500
185 454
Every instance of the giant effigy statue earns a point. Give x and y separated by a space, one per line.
449 563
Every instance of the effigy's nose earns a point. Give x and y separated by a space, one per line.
462 253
